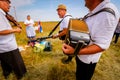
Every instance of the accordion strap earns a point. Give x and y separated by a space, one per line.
57 26
102 10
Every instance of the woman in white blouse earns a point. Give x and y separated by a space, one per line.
29 28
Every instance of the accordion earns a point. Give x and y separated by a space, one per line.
78 33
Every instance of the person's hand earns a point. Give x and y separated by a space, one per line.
17 30
68 50
54 36
19 26
28 24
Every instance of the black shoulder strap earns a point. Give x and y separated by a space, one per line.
57 25
102 10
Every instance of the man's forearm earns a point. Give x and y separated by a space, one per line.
64 31
92 49
5 32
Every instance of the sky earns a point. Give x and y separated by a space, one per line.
45 10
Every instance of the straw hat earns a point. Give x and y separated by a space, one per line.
62 6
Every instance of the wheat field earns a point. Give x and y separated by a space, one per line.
48 65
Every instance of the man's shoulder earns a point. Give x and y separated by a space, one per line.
67 17
113 7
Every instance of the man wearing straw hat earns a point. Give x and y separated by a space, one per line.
62 12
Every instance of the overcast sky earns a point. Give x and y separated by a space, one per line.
45 10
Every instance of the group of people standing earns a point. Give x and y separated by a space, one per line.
101 33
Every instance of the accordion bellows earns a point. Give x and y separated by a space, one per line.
78 25
77 31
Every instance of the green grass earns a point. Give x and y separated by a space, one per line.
48 65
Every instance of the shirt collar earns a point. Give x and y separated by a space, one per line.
2 12
66 14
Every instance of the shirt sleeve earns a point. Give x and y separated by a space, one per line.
103 29
4 23
64 23
25 22
32 22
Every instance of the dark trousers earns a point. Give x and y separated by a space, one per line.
12 62
116 35
84 71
